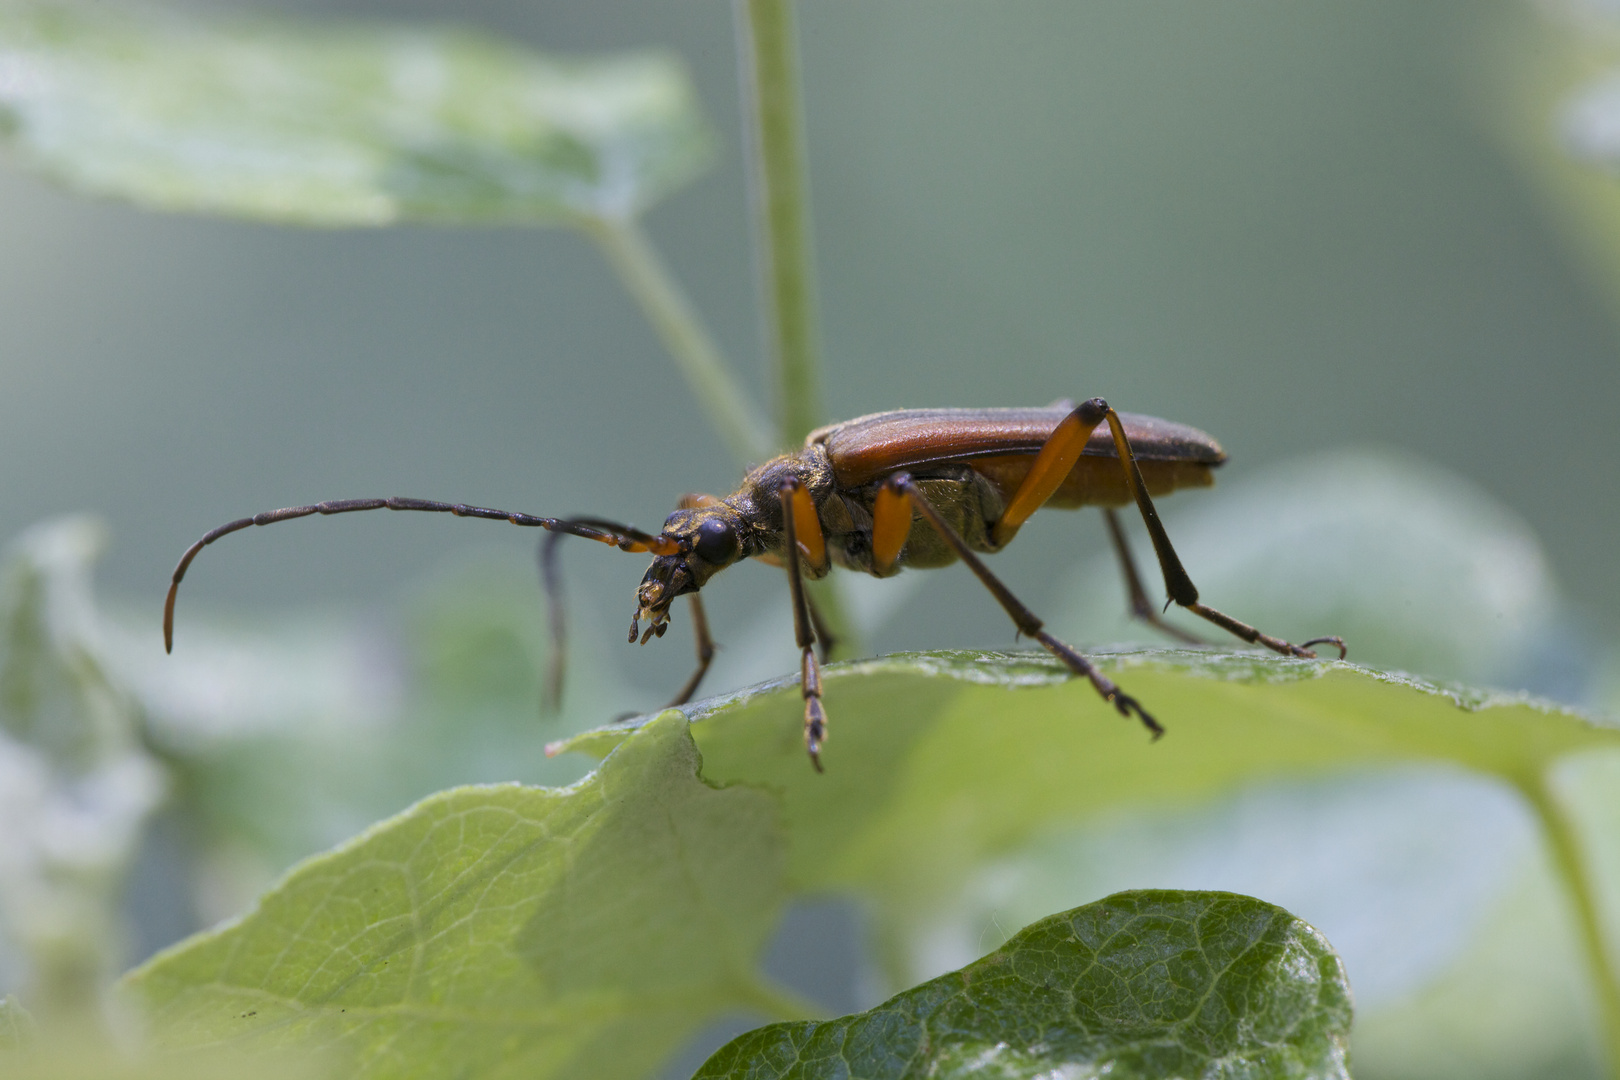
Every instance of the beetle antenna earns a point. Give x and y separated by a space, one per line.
623 537
551 587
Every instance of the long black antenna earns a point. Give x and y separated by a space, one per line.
623 537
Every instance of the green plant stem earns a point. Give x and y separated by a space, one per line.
777 173
632 256
773 121
1570 864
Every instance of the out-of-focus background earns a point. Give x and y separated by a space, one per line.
1346 239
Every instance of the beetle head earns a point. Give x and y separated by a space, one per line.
709 539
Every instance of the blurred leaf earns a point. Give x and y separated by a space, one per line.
334 124
1413 566
1548 102
939 762
90 1055
289 739
76 786
1516 1003
16 1026
583 931
1152 983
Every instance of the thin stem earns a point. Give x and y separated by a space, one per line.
736 418
773 128
770 91
1570 864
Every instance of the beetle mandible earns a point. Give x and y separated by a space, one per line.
917 488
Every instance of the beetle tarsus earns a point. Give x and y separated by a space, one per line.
1129 706
1335 641
815 729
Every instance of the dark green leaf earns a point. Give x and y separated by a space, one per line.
1142 984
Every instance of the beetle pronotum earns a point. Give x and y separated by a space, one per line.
915 487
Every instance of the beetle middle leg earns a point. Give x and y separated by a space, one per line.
1141 607
891 521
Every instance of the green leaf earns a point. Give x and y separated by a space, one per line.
1412 565
938 762
17 1028
502 930
337 124
1153 983
76 786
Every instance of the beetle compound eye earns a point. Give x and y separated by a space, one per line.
716 542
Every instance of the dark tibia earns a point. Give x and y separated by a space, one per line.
1141 607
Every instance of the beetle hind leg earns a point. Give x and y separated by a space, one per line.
1177 583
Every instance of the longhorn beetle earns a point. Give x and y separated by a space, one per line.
914 487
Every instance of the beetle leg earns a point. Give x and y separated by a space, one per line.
891 524
551 586
1141 607
1021 616
705 652
826 640
1176 581
551 580
815 717
1052 465
805 527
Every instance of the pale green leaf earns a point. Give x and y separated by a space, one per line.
16 1026
1152 983
502 930
1414 566
337 124
940 761
76 786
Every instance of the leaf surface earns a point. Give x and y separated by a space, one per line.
16 1026
940 761
1152 983
337 124
501 931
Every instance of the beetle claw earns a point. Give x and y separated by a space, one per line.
1336 641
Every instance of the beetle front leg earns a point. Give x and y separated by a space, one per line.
794 533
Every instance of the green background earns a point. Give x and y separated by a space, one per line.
1289 226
